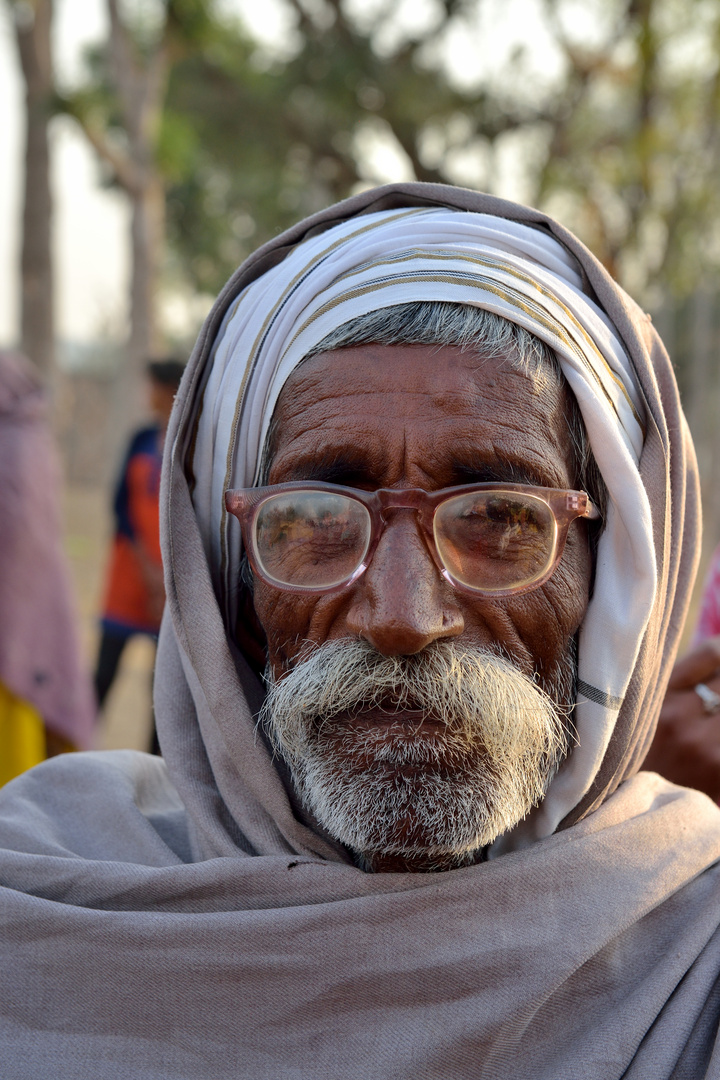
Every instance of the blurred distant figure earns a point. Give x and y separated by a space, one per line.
686 748
46 704
134 592
708 624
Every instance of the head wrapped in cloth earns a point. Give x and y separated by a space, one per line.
516 271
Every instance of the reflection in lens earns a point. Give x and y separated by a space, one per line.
495 540
311 539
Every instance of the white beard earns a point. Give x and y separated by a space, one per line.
408 789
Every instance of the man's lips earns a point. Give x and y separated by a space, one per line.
387 714
362 736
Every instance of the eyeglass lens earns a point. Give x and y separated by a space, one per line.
311 539
493 540
487 540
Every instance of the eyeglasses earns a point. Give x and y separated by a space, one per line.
494 539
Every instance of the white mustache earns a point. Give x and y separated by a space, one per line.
472 691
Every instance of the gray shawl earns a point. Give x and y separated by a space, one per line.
182 919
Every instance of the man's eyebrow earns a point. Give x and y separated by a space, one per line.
331 466
498 470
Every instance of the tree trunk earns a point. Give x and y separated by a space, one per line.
139 80
147 249
32 30
148 245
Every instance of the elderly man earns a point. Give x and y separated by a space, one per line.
428 475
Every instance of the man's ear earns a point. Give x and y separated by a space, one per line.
249 634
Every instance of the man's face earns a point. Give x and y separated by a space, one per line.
428 417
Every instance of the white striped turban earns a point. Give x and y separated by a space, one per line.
522 274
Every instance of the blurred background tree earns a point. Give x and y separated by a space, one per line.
32 23
610 122
121 109
604 112
633 153
618 135
274 137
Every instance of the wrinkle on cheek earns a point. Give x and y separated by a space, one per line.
546 619
547 630
496 624
281 626
558 613
293 623
574 574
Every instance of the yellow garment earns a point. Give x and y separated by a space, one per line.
22 735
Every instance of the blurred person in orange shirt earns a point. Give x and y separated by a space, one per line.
134 591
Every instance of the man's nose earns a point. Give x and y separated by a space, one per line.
401 602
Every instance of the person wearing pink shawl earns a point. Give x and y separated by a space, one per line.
686 747
46 702
430 522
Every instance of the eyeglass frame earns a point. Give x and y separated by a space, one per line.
566 506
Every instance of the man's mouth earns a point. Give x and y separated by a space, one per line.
389 738
381 723
389 712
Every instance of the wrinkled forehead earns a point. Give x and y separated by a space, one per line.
432 414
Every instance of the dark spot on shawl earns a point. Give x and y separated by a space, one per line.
292 864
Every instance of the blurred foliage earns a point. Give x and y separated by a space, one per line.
605 113
633 155
267 141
